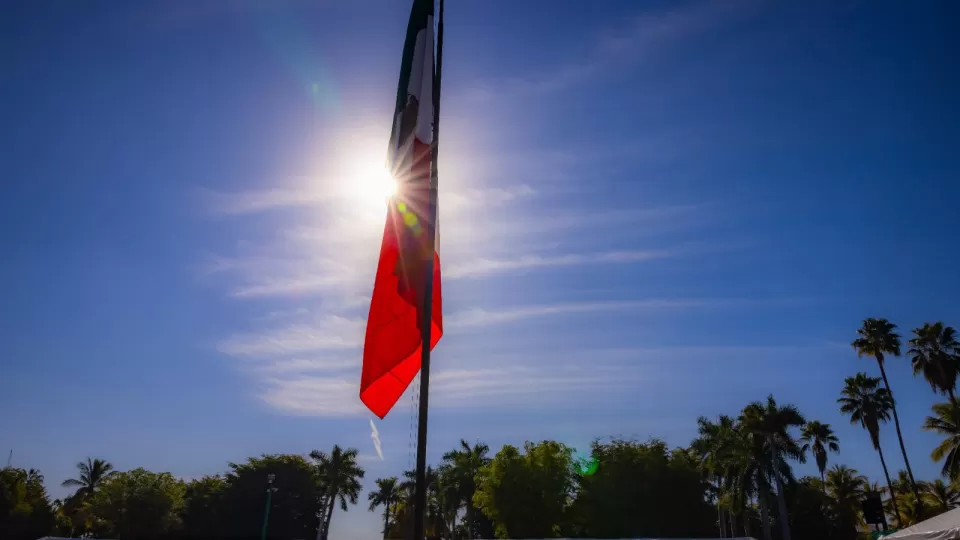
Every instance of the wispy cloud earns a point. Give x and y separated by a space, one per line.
646 36
314 396
482 267
338 260
325 333
326 191
331 333
308 365
260 201
454 200
483 317
516 385
489 387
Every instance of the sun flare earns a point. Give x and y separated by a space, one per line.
371 185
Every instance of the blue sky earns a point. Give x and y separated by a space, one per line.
649 212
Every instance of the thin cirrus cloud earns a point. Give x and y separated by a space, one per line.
325 333
323 279
332 332
479 317
523 380
336 396
643 38
482 267
260 201
257 201
303 263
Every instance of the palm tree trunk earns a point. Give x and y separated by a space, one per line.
893 494
733 523
469 517
326 524
746 524
764 517
719 511
322 517
782 503
823 482
720 519
386 520
903 449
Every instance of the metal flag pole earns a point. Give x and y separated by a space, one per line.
420 496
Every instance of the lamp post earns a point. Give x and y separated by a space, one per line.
266 513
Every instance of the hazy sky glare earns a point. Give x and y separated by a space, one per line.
649 212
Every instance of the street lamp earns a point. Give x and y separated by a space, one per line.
266 513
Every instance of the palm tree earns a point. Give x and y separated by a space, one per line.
941 496
465 463
445 500
819 438
877 337
868 405
756 470
745 476
341 475
92 474
386 495
935 352
846 488
770 424
946 421
713 447
908 505
437 509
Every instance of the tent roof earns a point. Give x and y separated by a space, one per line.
946 526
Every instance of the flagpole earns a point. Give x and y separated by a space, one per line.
420 496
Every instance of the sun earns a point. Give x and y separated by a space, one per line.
371 185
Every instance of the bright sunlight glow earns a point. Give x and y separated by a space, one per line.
370 185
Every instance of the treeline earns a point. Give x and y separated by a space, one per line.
734 479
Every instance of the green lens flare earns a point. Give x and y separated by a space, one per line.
588 466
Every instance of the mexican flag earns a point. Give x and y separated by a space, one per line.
393 342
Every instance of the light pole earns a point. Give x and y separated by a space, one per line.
266 512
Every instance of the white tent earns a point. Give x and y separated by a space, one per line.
946 526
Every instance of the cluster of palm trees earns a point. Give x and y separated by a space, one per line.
747 457
934 353
450 489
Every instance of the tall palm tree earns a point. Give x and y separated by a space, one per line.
408 488
341 476
877 337
770 424
868 405
712 447
386 495
465 463
946 421
756 470
935 352
446 500
819 439
941 496
92 474
742 464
